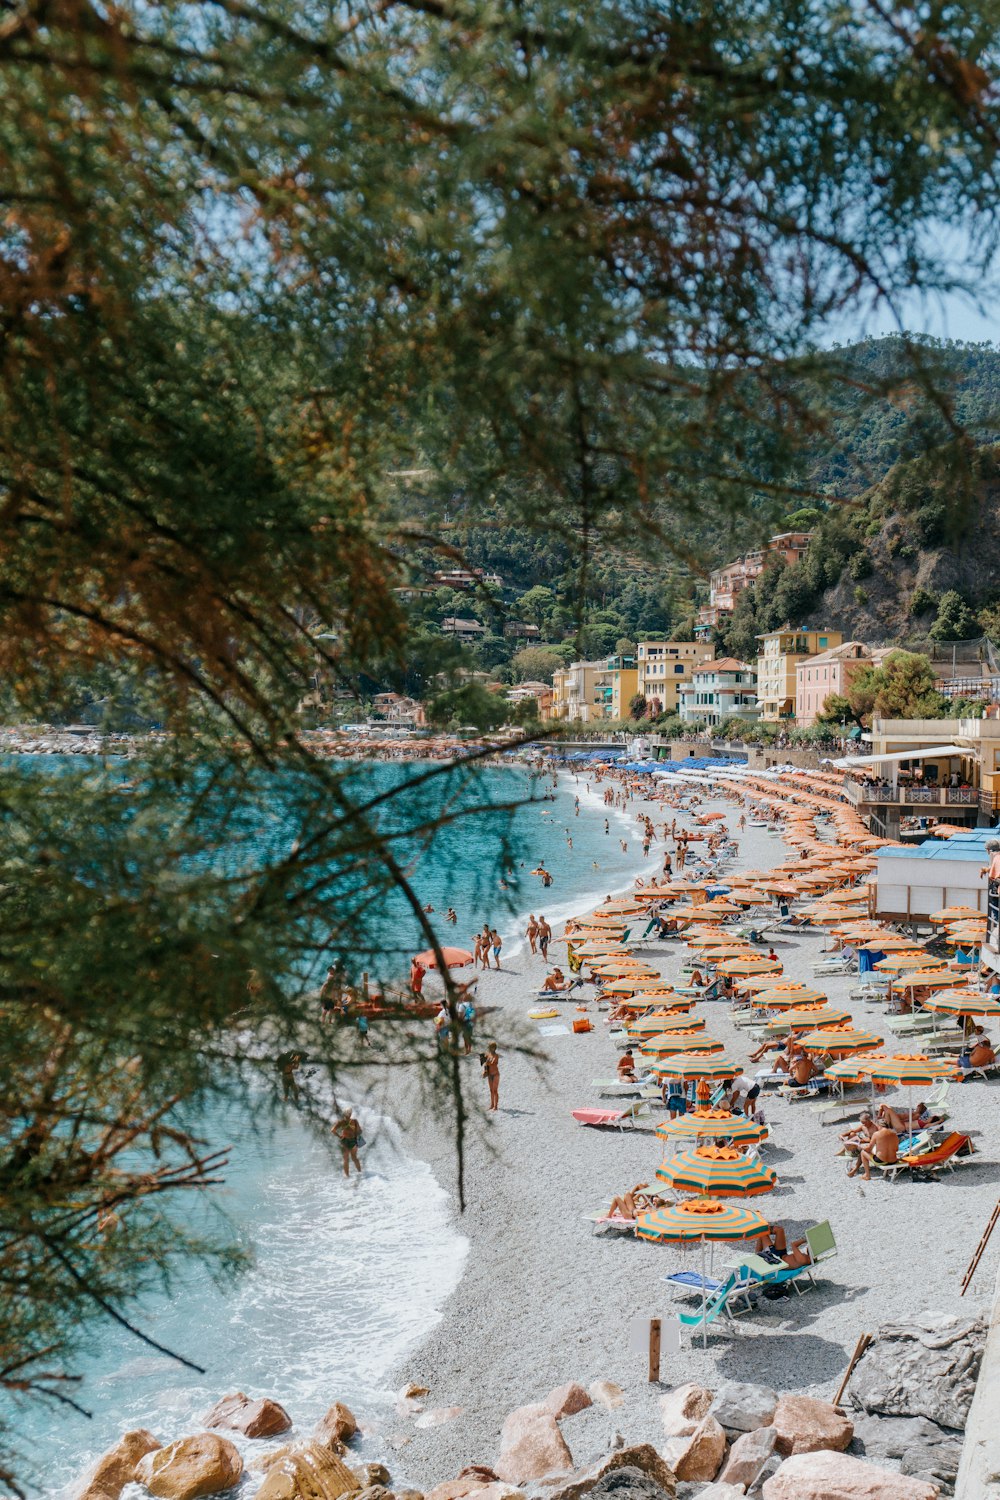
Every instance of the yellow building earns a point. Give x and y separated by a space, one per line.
615 687
573 692
663 665
780 653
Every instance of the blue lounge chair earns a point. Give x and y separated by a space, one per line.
716 1303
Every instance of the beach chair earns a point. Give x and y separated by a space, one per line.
692 1283
944 1157
716 1304
619 1118
835 965
604 1222
989 1071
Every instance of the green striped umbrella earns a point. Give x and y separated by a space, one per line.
963 1003
654 1026
667 1043
840 1039
699 1220
711 1124
697 1065
721 1171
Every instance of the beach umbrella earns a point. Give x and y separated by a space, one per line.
954 913
851 1069
727 950
700 1220
840 1040
721 1171
621 908
917 978
606 924
909 1070
899 963
745 966
756 984
885 943
807 1015
787 996
962 1002
712 1124
656 1023
701 1064
716 939
597 949
454 958
671 1043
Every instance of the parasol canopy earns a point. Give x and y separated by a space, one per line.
722 1171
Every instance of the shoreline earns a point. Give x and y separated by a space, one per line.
543 1300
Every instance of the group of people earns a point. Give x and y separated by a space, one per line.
539 935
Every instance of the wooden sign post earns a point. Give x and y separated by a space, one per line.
654 1349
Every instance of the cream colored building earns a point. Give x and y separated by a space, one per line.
574 692
663 665
780 654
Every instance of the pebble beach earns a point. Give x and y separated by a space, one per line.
545 1299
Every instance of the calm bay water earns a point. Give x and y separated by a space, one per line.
346 1277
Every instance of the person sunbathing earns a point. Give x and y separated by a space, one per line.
923 1119
859 1135
883 1147
774 1247
556 983
639 1200
981 1056
887 1116
801 1070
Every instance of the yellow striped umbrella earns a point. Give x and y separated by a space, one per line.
908 1069
756 983
851 1069
656 1023
607 924
746 966
807 1015
722 1171
917 978
701 1219
623 968
697 1065
621 908
727 950
787 996
886 943
955 913
901 962
963 1003
711 1124
669 1043
840 1040
717 939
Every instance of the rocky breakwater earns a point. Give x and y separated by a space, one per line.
82 739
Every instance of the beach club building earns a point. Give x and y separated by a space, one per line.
781 651
719 690
663 665
831 671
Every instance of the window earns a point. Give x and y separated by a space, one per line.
822 640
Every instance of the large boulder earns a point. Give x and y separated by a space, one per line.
255 1418
567 1400
925 1449
116 1468
336 1426
838 1476
532 1446
307 1471
469 1485
743 1408
683 1408
748 1455
627 1484
804 1425
641 1459
925 1367
204 1464
699 1455
719 1490
591 1435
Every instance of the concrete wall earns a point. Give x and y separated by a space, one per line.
979 1470
916 887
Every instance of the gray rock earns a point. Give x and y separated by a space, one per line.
879 1438
628 1484
591 1434
642 1457
770 1468
938 1462
926 1367
743 1408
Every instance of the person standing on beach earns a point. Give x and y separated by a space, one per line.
544 937
348 1132
531 933
490 1060
497 943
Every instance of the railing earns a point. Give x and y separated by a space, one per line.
912 796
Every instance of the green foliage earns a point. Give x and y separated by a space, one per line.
468 704
638 707
955 620
901 688
536 663
923 601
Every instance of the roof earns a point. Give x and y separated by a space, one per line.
930 752
724 664
847 651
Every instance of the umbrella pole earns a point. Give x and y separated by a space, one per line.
704 1298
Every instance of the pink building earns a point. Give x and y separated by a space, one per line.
727 583
831 671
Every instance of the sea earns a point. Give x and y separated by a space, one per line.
345 1277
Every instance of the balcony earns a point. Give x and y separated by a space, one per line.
882 793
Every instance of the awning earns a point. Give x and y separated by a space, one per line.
932 752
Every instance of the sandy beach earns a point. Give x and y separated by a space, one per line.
544 1299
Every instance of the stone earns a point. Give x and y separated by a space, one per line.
470 1482
336 1426
805 1425
479 1471
748 1455
566 1400
412 1392
935 1461
374 1492
438 1416
838 1476
116 1468
719 1490
591 1434
641 1459
743 1408
879 1438
260 1418
607 1393
532 1446
627 1484
307 1471
683 1408
925 1367
204 1464
700 1454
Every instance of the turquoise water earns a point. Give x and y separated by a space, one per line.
345 1278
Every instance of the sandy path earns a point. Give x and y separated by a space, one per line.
544 1300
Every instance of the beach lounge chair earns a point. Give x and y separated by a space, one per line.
944 1157
693 1284
989 1071
822 1247
602 1118
604 1221
716 1304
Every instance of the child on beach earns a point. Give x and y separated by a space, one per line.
490 1060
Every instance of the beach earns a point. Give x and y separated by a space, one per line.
543 1299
